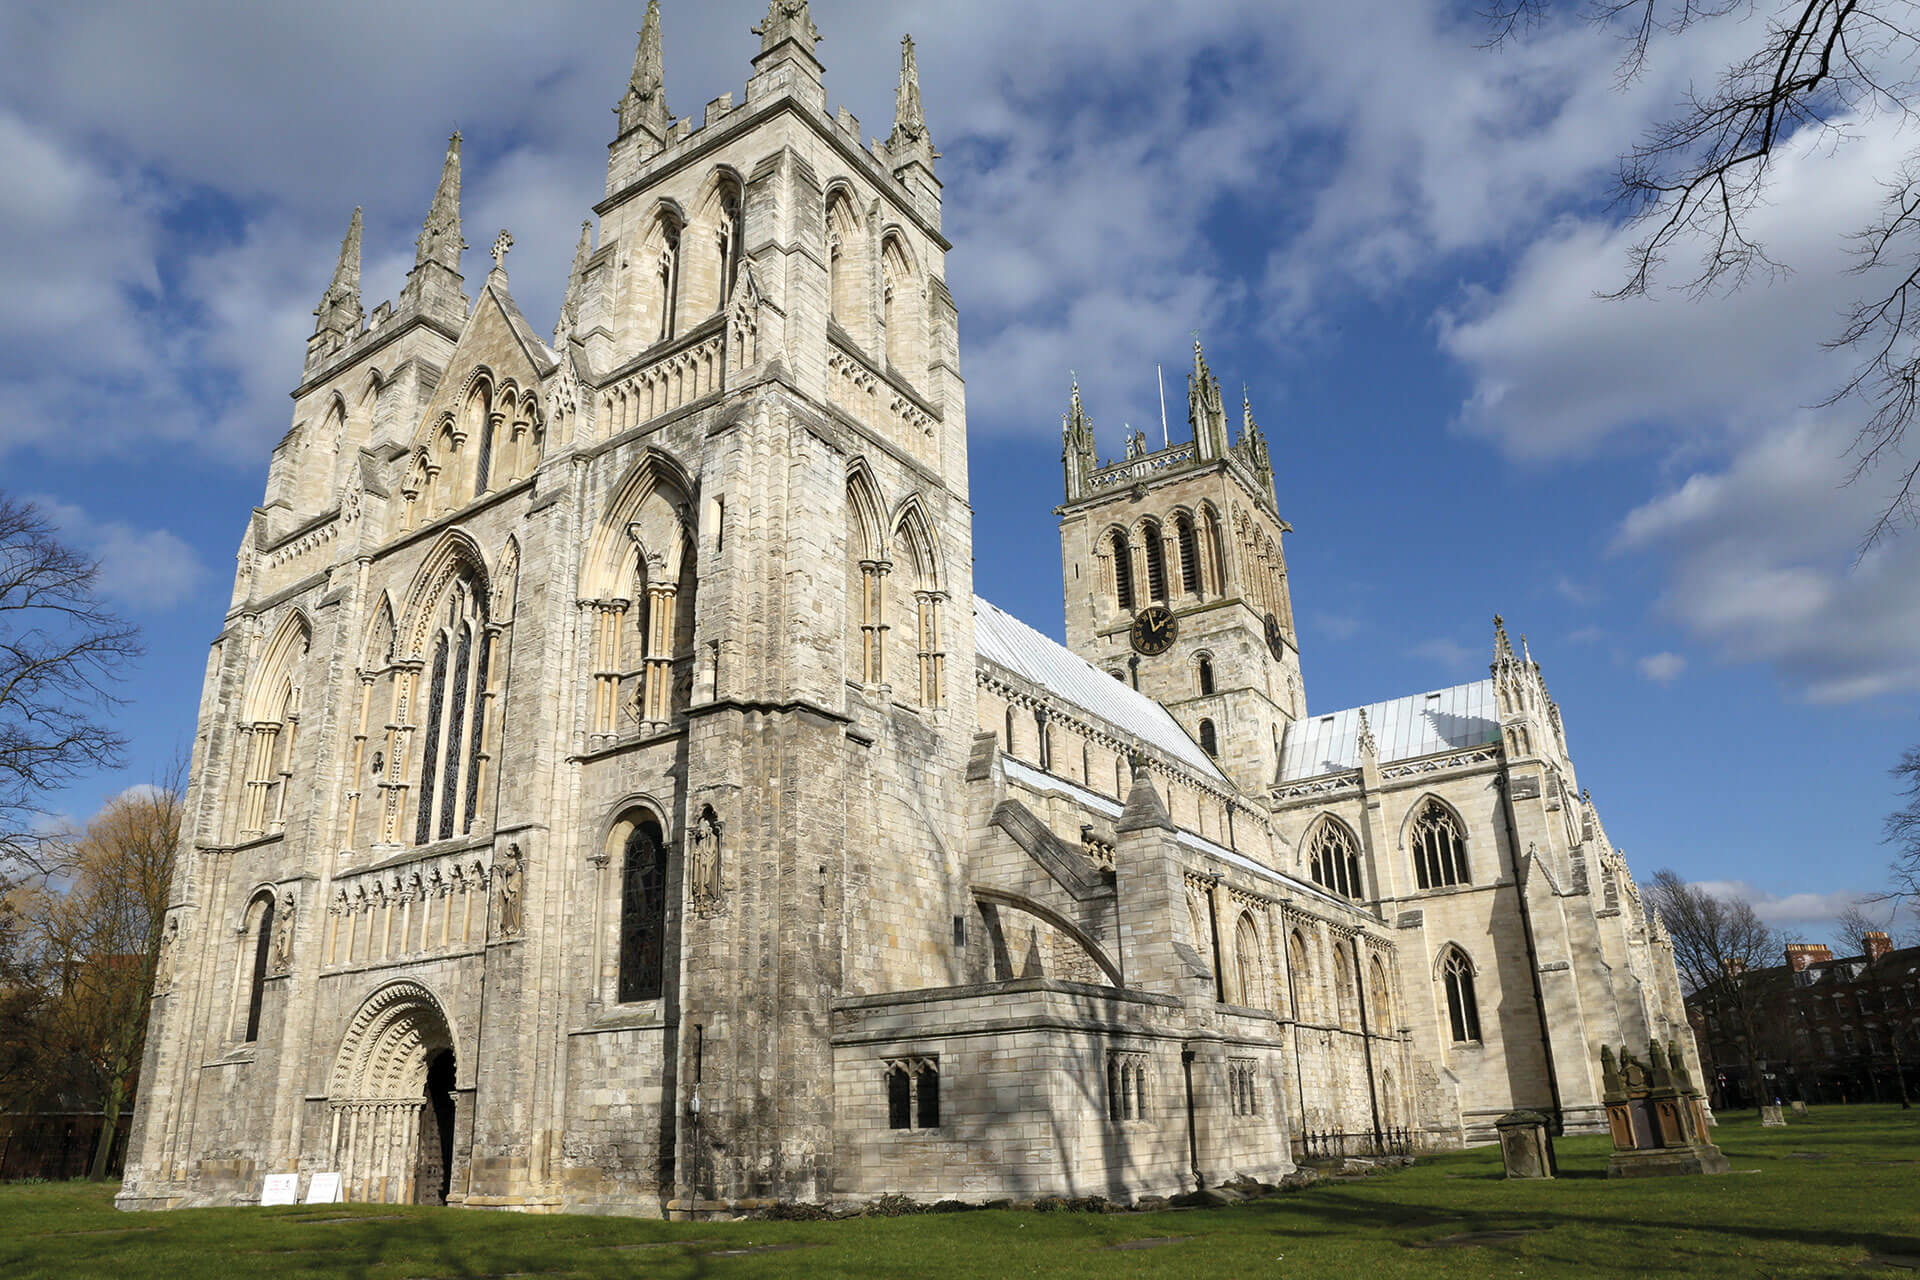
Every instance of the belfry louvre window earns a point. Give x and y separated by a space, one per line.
643 914
1439 851
1334 859
913 1093
1463 1011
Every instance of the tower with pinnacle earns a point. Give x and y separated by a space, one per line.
1191 532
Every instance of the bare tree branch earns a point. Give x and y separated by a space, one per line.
62 656
1719 945
1694 182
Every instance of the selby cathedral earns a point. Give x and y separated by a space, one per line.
610 795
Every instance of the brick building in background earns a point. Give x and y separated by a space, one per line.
1829 1030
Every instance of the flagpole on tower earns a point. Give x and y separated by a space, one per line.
1161 373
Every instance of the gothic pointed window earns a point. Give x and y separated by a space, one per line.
666 280
643 913
1119 555
1300 965
1463 1010
1154 544
1189 553
261 940
1439 849
1334 859
1246 955
453 737
730 236
913 1094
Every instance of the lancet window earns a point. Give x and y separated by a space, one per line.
639 589
663 290
1463 1010
1334 859
1209 739
1246 955
453 736
643 913
1300 965
1189 544
1205 675
269 730
255 954
1116 563
898 288
730 237
1439 849
845 258
1153 542
926 606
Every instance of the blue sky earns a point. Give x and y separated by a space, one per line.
1392 236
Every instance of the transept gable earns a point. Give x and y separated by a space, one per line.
497 345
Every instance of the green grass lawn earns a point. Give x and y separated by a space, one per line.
1819 1199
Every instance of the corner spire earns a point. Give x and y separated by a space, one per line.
1205 413
576 286
645 103
787 20
910 139
1369 749
1077 450
434 283
339 309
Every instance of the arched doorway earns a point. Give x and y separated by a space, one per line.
393 1100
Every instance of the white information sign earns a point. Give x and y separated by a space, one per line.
324 1189
281 1188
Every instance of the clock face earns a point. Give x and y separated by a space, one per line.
1154 630
1276 641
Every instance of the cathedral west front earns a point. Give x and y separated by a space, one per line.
610 794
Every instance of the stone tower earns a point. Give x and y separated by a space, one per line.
589 718
1192 529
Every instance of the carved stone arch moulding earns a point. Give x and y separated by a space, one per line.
389 1039
1447 950
453 553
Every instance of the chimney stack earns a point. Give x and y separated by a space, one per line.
1878 944
1802 954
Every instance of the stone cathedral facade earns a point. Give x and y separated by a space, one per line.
611 795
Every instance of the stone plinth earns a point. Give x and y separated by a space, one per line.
1525 1145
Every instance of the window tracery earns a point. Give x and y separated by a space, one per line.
913 1093
1439 849
1463 1010
1334 859
452 750
1127 1086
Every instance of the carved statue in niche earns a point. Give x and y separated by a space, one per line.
508 874
163 964
705 877
283 935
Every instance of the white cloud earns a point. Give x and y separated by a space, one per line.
1662 668
144 568
1447 653
1804 916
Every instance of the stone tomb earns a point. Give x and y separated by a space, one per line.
1656 1116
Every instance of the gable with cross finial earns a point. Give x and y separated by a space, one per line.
502 243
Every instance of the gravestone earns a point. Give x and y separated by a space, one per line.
1773 1116
324 1189
1525 1145
280 1188
1798 1107
1657 1118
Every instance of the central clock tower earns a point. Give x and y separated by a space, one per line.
1176 580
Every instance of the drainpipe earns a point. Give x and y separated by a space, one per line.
1533 955
1193 1134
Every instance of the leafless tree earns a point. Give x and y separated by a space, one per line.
1856 928
1720 944
62 654
1902 830
1693 182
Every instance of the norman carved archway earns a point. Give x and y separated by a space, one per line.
390 1099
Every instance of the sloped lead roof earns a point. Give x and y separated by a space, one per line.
1445 720
1001 638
